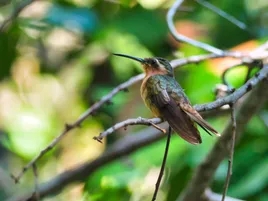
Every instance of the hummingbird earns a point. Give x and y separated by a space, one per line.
164 96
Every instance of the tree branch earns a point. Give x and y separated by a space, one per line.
230 148
125 123
36 181
223 14
163 165
198 58
170 15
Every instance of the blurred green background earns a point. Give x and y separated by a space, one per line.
55 62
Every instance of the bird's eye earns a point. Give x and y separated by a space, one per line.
154 62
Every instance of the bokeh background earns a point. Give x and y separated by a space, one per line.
55 62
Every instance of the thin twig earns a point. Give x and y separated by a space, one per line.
223 14
161 173
251 67
36 192
224 79
15 13
198 58
231 154
249 64
157 127
170 15
142 121
125 123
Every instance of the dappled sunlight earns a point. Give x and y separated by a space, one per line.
37 104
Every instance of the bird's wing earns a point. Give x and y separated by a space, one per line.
163 98
180 98
195 116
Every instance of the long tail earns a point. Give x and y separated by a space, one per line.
195 116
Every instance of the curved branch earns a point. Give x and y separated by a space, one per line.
180 37
128 122
223 14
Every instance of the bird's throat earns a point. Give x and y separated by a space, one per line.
150 72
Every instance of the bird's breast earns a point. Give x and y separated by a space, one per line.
146 96
144 88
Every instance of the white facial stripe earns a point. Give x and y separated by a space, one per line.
156 61
160 66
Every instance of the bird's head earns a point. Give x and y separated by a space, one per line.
153 66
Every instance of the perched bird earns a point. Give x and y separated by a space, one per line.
167 100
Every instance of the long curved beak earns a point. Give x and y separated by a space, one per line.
130 57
